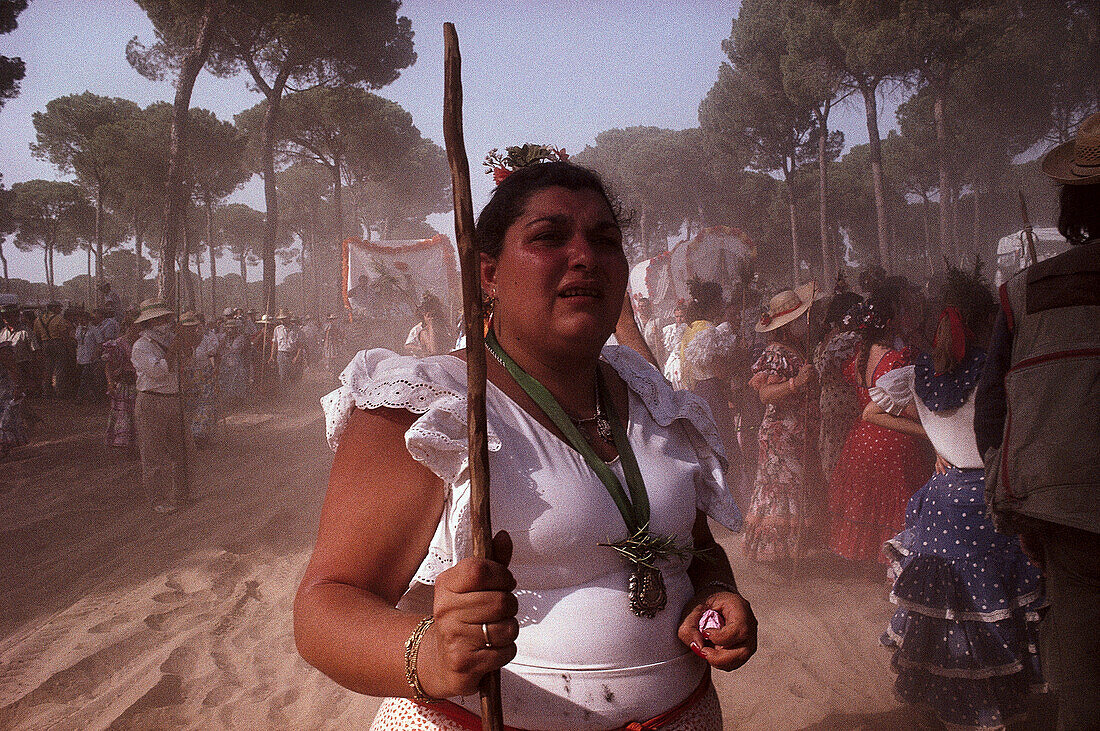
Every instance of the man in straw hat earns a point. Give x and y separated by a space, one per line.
285 345
157 416
1043 464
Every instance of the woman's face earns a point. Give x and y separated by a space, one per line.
560 278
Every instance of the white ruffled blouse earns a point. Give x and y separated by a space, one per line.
951 432
584 661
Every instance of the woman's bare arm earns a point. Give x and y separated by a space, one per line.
907 423
732 645
379 516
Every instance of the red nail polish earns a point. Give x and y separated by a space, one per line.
696 649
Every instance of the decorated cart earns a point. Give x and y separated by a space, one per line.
383 281
716 254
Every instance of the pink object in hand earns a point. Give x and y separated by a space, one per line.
710 620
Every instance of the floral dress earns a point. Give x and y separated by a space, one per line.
878 471
839 402
782 496
120 416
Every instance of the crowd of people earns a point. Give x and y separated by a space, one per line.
86 357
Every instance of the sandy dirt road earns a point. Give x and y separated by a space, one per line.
115 617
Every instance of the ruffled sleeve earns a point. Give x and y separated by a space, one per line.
667 406
893 391
775 362
435 389
710 347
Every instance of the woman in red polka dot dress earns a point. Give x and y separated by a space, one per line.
878 469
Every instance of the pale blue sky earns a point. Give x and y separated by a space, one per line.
533 71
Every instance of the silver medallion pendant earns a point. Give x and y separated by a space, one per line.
603 428
647 591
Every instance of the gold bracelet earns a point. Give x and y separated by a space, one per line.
412 649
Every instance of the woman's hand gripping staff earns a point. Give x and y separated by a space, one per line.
474 630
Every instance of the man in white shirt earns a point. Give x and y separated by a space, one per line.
285 347
157 416
88 341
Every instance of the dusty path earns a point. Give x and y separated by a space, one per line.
112 616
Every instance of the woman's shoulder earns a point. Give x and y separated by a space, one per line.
664 404
892 359
381 379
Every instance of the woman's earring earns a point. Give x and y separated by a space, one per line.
487 309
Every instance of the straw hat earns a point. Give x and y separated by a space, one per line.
189 319
152 309
267 320
787 306
283 314
1077 162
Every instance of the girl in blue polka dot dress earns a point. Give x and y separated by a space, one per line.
965 632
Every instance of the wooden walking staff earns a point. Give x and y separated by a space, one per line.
1029 233
492 717
807 406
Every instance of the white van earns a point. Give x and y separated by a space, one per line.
1012 253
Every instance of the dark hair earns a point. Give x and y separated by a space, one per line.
879 311
968 293
839 306
1079 213
510 199
705 302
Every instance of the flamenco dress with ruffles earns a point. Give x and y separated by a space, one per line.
966 629
876 474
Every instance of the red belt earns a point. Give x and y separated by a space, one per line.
468 720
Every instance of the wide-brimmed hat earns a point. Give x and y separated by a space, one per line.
189 319
787 306
1077 162
267 319
283 314
152 309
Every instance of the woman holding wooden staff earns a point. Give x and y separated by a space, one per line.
602 478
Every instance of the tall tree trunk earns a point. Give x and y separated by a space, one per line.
927 234
976 235
871 107
199 307
822 198
337 200
176 204
185 262
947 243
796 256
138 278
4 259
53 287
271 200
98 245
302 304
89 292
956 240
244 281
213 259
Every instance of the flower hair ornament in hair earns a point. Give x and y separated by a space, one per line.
501 166
865 316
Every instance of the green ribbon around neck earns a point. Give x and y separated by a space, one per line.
635 508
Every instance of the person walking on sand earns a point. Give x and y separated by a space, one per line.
1037 426
160 432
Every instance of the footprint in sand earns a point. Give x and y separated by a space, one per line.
168 621
109 624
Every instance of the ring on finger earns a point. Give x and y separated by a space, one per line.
485 634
